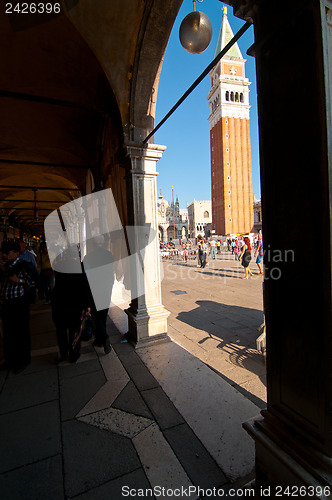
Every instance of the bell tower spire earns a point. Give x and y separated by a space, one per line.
231 176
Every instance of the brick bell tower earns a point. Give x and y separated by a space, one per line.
231 176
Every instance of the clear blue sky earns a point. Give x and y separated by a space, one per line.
186 162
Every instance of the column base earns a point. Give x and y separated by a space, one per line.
147 327
281 462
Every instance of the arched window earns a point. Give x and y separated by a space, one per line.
232 96
241 97
236 97
227 95
206 214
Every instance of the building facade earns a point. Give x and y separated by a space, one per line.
172 224
231 176
199 215
257 216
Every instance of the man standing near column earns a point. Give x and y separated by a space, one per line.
98 266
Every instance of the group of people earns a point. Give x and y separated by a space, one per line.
66 287
240 248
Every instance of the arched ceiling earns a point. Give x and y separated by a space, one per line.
61 77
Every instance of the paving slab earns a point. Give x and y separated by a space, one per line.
93 457
134 484
76 392
159 461
68 370
40 363
37 481
29 390
104 398
162 408
113 367
118 421
29 435
197 462
130 400
137 371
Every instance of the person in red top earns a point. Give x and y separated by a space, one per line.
246 257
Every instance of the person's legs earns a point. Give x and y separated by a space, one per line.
48 286
61 322
259 264
100 318
73 323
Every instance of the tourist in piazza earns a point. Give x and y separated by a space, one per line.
202 254
213 249
236 250
259 253
246 257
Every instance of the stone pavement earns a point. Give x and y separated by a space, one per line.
157 417
215 315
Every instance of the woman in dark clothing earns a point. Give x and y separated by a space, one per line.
70 296
202 254
246 257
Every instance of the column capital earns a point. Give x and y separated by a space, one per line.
144 157
142 150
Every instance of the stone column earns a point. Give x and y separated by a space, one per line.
293 436
147 317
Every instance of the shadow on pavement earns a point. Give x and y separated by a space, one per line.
236 328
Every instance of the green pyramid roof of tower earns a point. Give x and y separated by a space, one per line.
225 36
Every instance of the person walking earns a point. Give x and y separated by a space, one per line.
69 297
259 252
16 283
202 254
236 251
98 266
213 249
246 257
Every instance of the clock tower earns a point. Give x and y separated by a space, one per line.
231 176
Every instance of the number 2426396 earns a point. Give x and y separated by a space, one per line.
33 8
